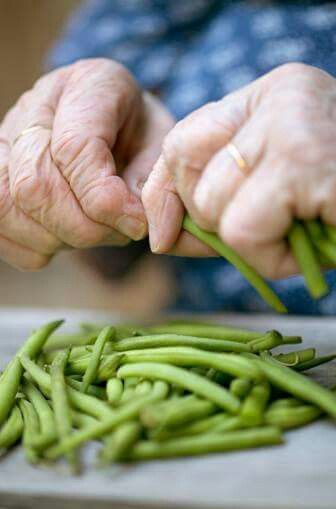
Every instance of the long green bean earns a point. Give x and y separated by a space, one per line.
321 241
48 433
11 377
61 404
313 363
253 408
207 443
11 431
83 402
208 330
31 428
183 378
165 340
92 368
307 260
229 254
204 425
123 414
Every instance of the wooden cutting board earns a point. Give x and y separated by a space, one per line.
300 474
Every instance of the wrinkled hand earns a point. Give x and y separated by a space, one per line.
284 125
76 179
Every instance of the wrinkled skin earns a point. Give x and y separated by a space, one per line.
284 125
77 181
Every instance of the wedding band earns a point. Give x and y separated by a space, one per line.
238 158
29 130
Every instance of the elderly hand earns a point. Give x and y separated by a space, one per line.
74 153
284 126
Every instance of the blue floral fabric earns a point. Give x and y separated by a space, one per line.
195 51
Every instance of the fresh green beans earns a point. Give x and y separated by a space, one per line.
123 414
207 443
298 385
11 377
229 254
321 241
307 260
11 431
92 368
83 402
183 378
158 393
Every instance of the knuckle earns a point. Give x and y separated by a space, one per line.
68 149
29 192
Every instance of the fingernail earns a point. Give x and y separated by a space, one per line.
131 227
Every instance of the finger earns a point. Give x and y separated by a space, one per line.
14 224
163 207
96 102
21 257
256 221
155 123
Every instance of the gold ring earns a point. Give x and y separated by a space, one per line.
236 155
29 130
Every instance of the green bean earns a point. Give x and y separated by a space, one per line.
240 387
48 433
131 382
305 255
294 358
11 377
298 385
120 442
287 418
92 390
178 376
81 420
321 241
106 370
92 368
207 443
235 365
123 414
30 430
143 387
330 231
83 402
162 340
200 330
318 361
230 424
177 412
127 395
285 403
114 390
252 411
201 426
61 404
270 340
229 254
11 431
60 341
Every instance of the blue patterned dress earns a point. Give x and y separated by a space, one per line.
196 51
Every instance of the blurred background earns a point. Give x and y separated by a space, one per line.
28 29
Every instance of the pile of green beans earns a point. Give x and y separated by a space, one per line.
166 390
313 245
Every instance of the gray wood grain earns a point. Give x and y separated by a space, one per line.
300 474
